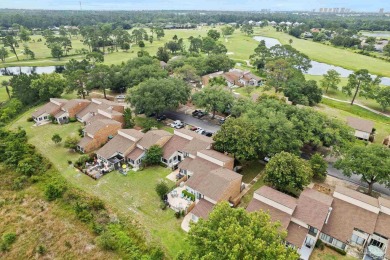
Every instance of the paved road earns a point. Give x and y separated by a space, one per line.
356 180
189 119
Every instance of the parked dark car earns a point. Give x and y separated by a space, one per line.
161 117
195 113
222 121
208 134
200 114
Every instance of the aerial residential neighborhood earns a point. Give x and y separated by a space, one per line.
195 130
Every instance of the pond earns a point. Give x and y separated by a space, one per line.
10 71
318 68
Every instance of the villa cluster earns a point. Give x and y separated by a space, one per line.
234 78
347 219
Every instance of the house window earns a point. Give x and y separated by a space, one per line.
326 238
164 160
175 158
357 240
313 231
376 243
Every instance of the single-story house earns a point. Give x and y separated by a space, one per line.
363 128
50 109
347 218
70 109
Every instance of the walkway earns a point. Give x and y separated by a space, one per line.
357 104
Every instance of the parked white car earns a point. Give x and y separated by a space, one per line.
177 124
199 130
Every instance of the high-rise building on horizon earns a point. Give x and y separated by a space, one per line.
381 11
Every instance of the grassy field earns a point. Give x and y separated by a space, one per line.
239 46
131 196
340 95
329 54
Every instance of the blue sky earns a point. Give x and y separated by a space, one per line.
242 5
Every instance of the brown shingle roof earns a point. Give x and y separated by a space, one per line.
96 125
74 102
152 137
202 209
135 154
133 133
92 107
213 184
217 155
360 124
277 196
176 143
357 195
313 208
345 217
276 215
84 141
296 234
195 145
382 226
49 108
118 144
198 165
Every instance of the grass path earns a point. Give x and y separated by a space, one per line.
329 54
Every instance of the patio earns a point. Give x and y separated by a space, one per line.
176 201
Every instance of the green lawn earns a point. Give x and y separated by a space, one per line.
328 254
251 170
329 54
3 93
340 95
132 196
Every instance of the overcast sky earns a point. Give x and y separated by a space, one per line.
242 5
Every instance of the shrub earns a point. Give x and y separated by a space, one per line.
82 160
72 119
189 195
54 191
163 206
56 138
319 244
162 189
41 249
71 142
30 119
153 155
7 240
177 214
19 183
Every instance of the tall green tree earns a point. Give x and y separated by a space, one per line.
303 92
382 96
371 162
77 81
214 34
162 54
247 29
49 86
287 172
362 83
279 72
214 99
238 137
260 56
159 95
153 155
56 138
187 73
11 42
231 233
227 30
330 80
56 51
195 44
5 84
128 118
100 77
319 166
22 88
3 54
